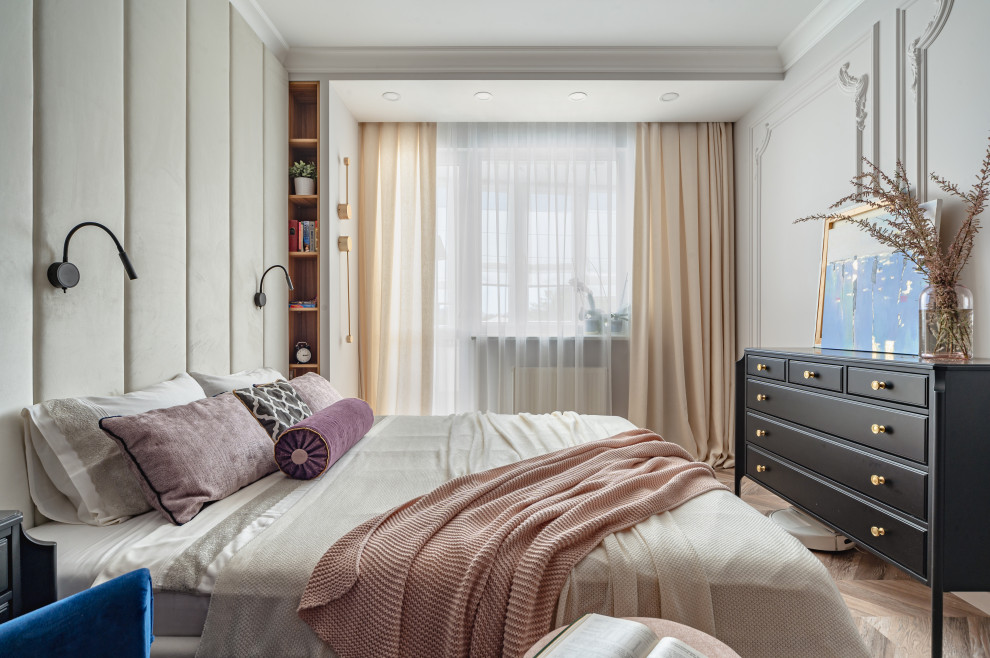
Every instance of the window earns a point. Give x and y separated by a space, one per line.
539 219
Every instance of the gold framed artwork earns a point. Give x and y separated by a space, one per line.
867 293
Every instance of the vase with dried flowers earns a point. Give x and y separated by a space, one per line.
946 306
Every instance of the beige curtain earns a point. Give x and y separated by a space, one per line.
682 342
396 248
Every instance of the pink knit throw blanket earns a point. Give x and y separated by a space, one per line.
475 567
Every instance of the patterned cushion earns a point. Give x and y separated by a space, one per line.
276 406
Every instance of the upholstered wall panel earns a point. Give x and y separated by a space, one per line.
16 129
208 186
122 112
276 121
79 175
247 213
155 170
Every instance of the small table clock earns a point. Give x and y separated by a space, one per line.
303 352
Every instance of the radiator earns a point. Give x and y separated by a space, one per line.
543 390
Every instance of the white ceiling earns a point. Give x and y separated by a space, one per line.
547 100
585 23
722 56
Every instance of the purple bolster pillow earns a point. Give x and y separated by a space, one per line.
308 448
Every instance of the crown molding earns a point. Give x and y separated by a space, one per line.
822 20
256 17
541 63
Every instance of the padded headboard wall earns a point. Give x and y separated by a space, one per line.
166 121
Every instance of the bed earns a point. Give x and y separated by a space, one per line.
228 582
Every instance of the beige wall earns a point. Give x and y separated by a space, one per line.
158 119
796 151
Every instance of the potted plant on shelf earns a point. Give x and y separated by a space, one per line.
946 306
304 177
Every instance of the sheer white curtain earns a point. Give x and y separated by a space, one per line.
533 257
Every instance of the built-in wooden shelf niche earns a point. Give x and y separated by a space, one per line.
304 266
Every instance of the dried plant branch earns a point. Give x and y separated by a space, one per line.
905 229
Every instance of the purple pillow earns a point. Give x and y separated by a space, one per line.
315 391
186 456
307 449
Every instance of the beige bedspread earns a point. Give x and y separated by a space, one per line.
712 563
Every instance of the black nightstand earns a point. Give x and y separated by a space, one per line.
27 569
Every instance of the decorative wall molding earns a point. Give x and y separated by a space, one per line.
817 84
917 55
856 87
815 27
875 55
543 63
917 48
754 236
900 83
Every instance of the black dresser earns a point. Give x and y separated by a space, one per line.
27 569
891 451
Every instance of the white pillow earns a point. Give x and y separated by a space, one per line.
70 456
217 384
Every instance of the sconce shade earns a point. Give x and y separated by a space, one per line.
65 275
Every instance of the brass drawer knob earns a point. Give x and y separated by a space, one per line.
760 468
877 429
877 385
877 479
760 397
761 366
877 532
809 374
761 432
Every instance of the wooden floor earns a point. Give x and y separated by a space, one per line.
891 610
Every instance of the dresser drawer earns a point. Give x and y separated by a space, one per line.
901 487
902 542
897 432
816 375
766 367
4 564
887 385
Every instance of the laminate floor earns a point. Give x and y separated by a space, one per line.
892 611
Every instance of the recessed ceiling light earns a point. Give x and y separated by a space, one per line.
391 96
483 95
577 96
670 96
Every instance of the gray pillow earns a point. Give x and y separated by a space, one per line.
187 456
315 391
276 406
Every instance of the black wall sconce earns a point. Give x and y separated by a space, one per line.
259 297
65 275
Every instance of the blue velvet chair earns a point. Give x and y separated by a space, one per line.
112 619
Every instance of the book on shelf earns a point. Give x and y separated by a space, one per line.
293 235
598 636
308 241
303 303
